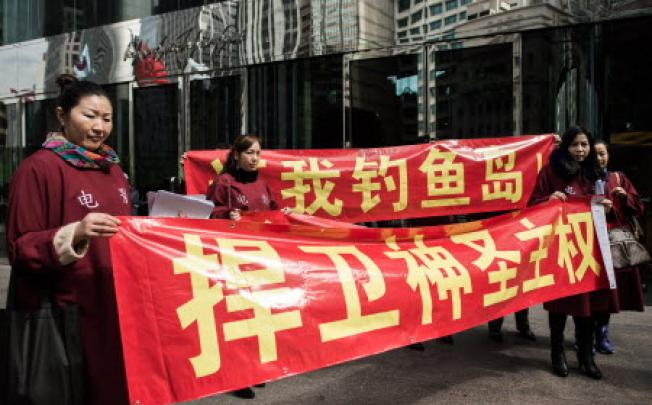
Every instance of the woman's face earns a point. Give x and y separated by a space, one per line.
89 123
248 159
603 154
579 149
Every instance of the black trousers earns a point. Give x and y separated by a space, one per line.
584 328
522 322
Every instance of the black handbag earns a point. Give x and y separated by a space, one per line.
41 357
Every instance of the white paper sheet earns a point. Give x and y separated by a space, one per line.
171 205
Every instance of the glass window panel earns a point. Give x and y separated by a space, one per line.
215 118
626 102
436 9
628 82
558 78
119 139
450 20
403 5
39 120
297 104
29 19
384 101
474 78
542 66
451 4
416 17
156 139
10 155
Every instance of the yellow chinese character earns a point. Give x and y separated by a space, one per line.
501 276
263 324
482 242
253 263
263 264
354 323
568 250
445 178
435 265
543 235
263 267
200 308
366 186
504 183
321 189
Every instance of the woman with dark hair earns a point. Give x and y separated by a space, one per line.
626 204
63 204
239 188
573 170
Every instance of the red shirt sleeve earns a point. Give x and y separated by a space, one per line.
29 240
543 189
217 192
273 205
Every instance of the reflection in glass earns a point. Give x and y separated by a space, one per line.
39 120
29 19
542 74
119 139
384 101
215 115
473 92
628 100
9 158
10 151
156 141
297 104
559 89
627 103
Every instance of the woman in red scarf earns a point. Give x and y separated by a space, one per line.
63 203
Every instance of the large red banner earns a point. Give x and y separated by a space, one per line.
208 306
356 185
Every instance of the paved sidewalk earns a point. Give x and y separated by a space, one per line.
473 370
477 371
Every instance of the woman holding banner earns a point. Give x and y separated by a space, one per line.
626 205
239 188
573 171
63 204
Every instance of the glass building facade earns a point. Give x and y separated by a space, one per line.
188 75
23 20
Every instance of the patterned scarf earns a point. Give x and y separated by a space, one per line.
78 156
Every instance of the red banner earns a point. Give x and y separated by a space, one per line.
208 306
357 185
